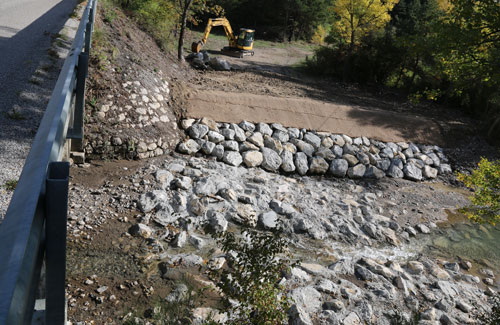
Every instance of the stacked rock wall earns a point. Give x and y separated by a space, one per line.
290 150
134 122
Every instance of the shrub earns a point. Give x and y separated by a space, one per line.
485 181
255 264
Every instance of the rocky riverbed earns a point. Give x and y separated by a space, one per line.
357 240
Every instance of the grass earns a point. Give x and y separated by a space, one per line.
218 39
10 185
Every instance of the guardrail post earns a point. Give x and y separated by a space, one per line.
76 131
88 31
56 207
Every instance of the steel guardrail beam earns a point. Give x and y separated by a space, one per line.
22 230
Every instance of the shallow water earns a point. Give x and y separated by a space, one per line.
461 238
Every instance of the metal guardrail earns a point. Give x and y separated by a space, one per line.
34 227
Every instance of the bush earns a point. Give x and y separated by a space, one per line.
254 269
485 181
492 318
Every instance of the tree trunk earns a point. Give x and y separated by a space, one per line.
180 50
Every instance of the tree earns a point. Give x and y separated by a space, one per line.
358 18
485 181
470 52
412 28
183 6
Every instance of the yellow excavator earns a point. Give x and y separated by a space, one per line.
239 46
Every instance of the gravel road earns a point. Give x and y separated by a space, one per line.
28 73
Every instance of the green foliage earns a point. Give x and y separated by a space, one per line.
284 20
492 318
485 203
357 19
10 185
256 263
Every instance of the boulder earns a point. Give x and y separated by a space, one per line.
219 64
271 160
301 163
252 158
339 167
318 166
232 158
287 164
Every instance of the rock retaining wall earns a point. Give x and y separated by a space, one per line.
279 149
135 121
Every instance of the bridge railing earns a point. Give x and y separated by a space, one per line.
34 227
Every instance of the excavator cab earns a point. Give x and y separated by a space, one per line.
245 39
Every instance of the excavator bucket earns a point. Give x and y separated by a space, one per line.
196 47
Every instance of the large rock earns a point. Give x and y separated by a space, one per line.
198 131
257 139
271 160
252 158
152 200
215 137
231 145
357 171
412 172
303 146
264 129
273 144
351 159
430 172
212 125
338 140
228 134
232 158
374 172
239 134
297 316
281 135
268 220
312 139
247 126
307 298
247 146
318 165
219 64
207 147
327 142
338 167
218 151
189 147
216 221
395 172
301 163
325 153
287 164
293 133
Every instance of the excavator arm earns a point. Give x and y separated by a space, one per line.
212 22
196 47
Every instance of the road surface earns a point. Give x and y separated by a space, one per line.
26 30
